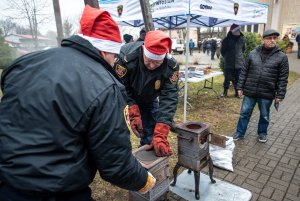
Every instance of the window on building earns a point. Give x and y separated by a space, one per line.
243 28
249 28
255 28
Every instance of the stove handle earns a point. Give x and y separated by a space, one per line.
190 139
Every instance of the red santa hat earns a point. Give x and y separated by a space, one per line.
98 27
234 27
157 44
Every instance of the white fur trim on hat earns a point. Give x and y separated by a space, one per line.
103 45
153 56
236 28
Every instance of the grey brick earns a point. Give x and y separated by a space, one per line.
251 188
239 180
263 178
254 175
267 191
276 186
272 163
285 159
286 177
278 195
264 161
277 173
230 177
294 189
262 198
292 197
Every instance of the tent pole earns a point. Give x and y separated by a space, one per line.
187 52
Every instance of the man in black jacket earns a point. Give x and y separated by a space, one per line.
232 49
64 115
150 78
262 79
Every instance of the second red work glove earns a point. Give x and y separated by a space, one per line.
160 142
135 120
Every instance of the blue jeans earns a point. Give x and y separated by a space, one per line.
149 115
246 112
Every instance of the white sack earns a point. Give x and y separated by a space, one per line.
222 157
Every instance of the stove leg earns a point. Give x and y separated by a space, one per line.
211 169
197 179
176 168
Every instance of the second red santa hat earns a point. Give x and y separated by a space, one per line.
157 44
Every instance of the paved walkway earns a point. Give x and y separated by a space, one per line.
271 170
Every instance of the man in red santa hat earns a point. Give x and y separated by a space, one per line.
150 77
68 119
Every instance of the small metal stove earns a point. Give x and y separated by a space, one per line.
193 151
159 168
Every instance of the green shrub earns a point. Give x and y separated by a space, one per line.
7 54
252 40
282 44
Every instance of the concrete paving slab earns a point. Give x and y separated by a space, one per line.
220 191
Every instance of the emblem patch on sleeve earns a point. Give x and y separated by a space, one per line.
174 77
126 117
120 70
157 85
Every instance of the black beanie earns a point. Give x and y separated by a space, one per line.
127 38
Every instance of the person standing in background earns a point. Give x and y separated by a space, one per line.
142 35
191 46
263 79
213 48
232 49
127 38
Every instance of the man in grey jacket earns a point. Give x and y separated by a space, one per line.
263 79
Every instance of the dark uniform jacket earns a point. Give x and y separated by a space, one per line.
232 49
62 117
265 76
143 85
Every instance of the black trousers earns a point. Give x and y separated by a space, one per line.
8 193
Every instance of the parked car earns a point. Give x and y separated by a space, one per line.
178 46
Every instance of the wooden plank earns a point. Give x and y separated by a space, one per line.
218 140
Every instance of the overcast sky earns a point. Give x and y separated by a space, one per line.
70 9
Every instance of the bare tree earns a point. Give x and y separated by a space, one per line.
33 11
7 26
68 28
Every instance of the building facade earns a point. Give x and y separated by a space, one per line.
283 15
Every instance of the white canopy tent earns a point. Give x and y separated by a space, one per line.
171 14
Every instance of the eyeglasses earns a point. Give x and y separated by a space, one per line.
271 38
150 61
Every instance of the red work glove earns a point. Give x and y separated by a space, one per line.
135 120
159 142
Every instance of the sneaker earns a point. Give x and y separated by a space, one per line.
237 136
262 138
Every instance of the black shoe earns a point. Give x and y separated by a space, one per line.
262 138
237 136
224 94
